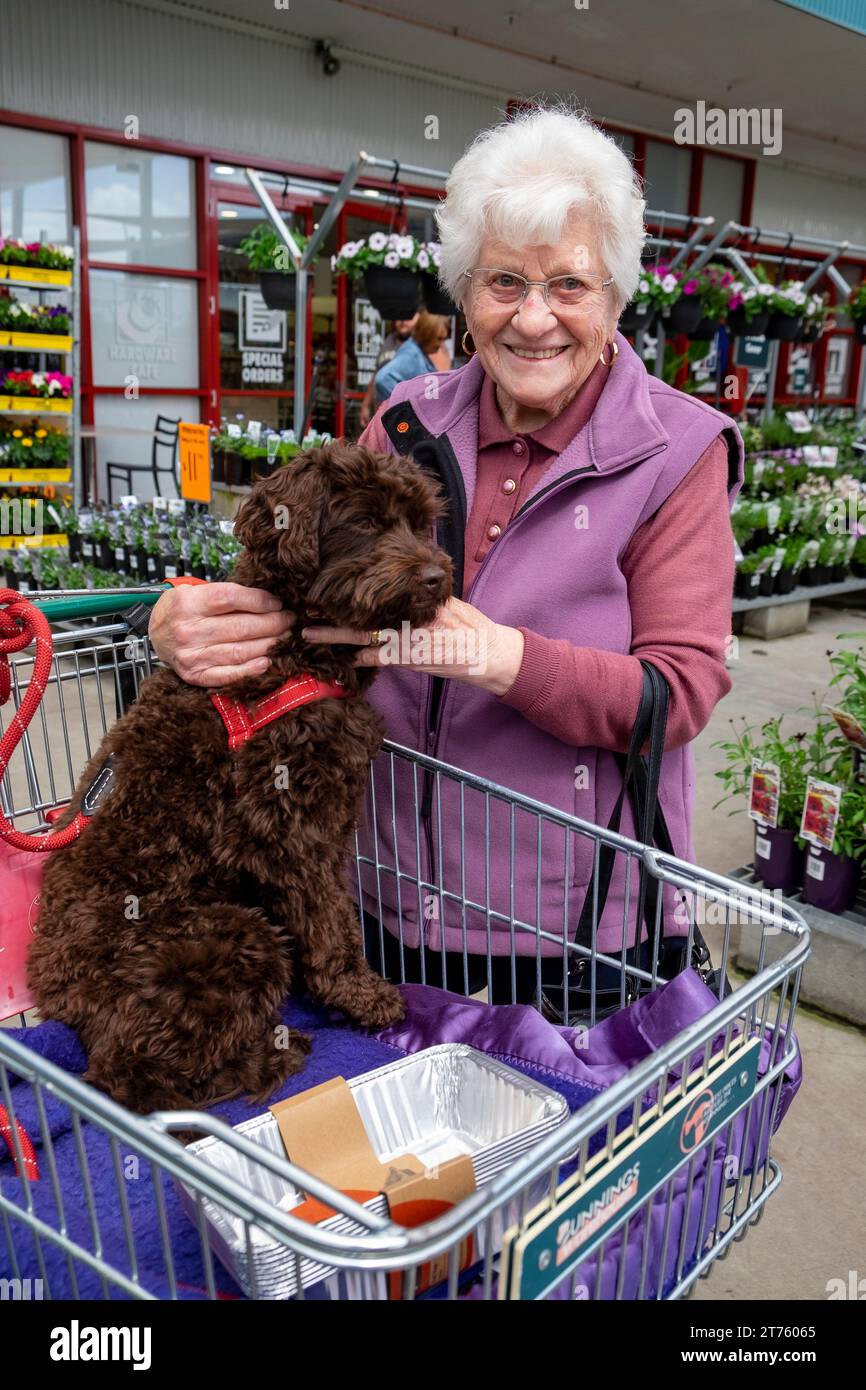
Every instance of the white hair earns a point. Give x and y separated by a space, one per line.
519 181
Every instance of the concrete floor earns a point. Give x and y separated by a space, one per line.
814 1226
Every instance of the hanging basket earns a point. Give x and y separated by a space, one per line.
436 300
784 328
706 330
635 317
395 293
810 333
278 288
743 327
683 316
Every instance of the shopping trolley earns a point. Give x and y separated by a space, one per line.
634 1196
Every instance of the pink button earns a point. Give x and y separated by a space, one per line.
518 446
494 532
509 485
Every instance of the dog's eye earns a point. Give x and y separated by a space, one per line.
366 524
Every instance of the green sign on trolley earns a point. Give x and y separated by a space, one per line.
559 1235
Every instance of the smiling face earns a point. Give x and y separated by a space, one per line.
538 355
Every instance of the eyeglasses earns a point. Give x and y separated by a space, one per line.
507 288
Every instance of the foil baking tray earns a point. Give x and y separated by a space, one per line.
437 1104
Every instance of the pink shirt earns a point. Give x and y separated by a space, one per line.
680 577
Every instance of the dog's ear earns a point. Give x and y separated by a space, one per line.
279 522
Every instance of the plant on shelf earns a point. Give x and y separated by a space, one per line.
34 447
45 255
780 863
33 318
48 384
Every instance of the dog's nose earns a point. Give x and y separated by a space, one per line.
431 576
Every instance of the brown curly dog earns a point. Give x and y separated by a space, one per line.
209 884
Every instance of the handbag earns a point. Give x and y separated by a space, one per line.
640 774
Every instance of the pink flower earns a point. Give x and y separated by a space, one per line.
690 287
727 278
735 301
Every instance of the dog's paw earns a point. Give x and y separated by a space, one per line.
377 1007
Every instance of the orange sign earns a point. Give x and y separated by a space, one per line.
194 446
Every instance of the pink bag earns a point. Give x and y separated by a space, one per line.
21 880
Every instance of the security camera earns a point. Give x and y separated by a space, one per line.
330 64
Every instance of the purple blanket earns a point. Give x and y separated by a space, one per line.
514 1033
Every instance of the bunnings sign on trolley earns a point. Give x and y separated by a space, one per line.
565 1230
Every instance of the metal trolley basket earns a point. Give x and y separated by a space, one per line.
612 1203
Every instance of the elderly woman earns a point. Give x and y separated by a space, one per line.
588 525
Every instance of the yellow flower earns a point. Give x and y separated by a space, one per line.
16 434
28 443
40 434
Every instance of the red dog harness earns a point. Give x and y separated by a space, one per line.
243 721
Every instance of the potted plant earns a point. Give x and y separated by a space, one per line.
787 305
715 287
47 256
749 306
747 581
815 312
268 255
436 299
647 301
857 310
683 311
778 849
832 876
389 267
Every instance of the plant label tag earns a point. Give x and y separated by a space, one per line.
814 866
820 813
234 431
764 791
176 506
160 504
799 421
849 727
227 527
273 443
254 430
763 848
774 512
130 501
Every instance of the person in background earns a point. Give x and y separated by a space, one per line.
416 356
392 344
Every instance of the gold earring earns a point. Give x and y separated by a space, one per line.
613 356
468 350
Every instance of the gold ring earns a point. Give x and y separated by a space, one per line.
376 639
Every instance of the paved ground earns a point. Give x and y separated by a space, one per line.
814 1227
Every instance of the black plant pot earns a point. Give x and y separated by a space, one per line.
233 467
278 288
784 328
637 316
786 581
140 560
74 544
395 293
743 327
120 559
88 550
436 300
747 585
860 331
217 467
172 566
767 586
154 573
706 330
778 859
839 573
198 571
683 316
105 555
858 568
12 581
809 334
830 880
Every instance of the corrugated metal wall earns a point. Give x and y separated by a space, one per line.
99 61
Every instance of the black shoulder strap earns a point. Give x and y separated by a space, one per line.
641 780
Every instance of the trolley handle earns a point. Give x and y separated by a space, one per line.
89 603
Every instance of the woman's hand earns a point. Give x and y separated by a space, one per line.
461 643
213 634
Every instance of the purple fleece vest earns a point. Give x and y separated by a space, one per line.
556 569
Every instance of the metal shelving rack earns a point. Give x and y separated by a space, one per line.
72 354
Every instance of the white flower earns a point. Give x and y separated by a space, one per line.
437 258
377 241
394 240
423 259
333 262
392 260
766 290
669 283
643 287
406 247
38 379
65 250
